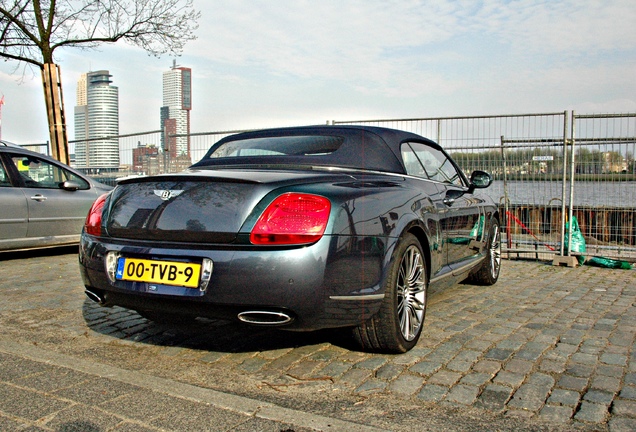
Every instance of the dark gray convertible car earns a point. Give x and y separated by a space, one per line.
304 228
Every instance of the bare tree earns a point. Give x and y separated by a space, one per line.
32 30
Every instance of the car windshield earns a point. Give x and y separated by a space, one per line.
279 146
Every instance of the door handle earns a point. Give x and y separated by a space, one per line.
38 198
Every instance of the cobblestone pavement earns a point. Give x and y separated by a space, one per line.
546 348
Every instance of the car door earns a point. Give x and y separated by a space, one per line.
13 208
460 212
52 209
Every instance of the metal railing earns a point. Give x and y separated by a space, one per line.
548 167
547 172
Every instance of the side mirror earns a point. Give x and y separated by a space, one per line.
70 185
480 180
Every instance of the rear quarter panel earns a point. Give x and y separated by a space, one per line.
368 216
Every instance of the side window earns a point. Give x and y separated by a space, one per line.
412 163
38 173
428 162
4 177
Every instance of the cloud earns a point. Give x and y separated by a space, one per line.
258 61
397 48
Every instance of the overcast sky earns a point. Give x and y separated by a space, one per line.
264 63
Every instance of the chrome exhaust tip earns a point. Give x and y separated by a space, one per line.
265 318
95 297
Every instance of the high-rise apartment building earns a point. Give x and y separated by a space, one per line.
175 112
96 116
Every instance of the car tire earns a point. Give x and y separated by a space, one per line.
396 328
488 271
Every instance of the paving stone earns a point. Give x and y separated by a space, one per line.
372 363
335 369
509 379
570 382
528 397
459 366
494 397
541 380
624 408
599 397
552 366
588 359
476 378
432 393
622 424
426 367
609 384
614 359
564 397
628 392
406 385
498 354
389 371
371 386
528 355
609 370
558 414
519 366
487 366
581 370
591 412
463 394
445 378
354 377
479 344
510 344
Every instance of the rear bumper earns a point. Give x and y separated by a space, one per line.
318 286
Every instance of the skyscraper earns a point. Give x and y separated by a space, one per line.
97 116
175 112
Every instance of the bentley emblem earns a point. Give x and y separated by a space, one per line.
168 194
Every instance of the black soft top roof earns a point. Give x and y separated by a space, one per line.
363 147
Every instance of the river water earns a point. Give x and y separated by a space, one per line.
595 194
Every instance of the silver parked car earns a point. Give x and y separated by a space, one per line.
43 202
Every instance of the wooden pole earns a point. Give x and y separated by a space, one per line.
52 82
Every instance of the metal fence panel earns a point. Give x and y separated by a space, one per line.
532 157
604 186
525 155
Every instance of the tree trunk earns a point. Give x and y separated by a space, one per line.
52 83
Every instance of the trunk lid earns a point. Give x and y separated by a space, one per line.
205 206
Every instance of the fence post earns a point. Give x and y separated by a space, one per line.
505 219
564 257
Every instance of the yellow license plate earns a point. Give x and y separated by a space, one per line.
160 272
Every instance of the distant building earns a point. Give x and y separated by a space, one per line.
175 112
144 158
96 116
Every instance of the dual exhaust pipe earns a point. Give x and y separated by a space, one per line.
267 318
97 298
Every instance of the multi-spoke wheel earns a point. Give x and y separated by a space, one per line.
411 293
488 272
398 325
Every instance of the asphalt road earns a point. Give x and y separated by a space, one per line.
546 348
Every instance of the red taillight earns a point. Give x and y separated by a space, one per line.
93 224
292 218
